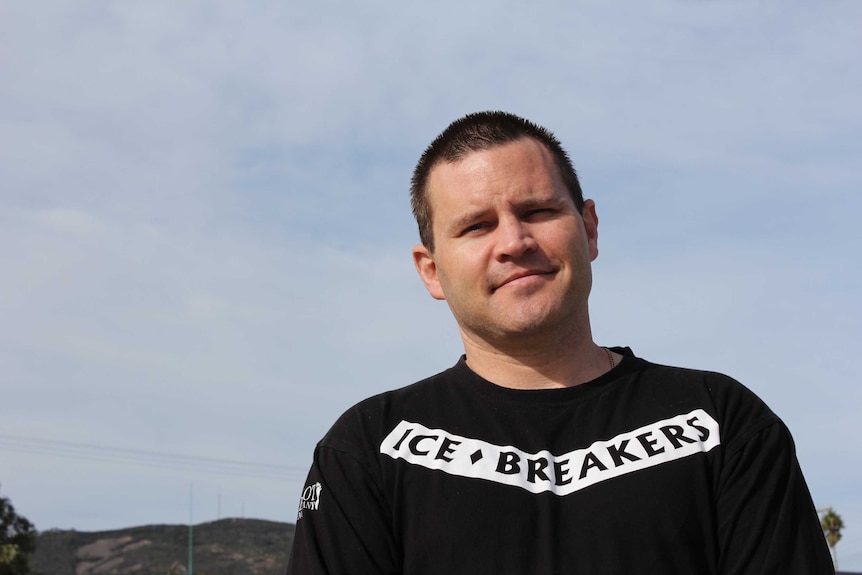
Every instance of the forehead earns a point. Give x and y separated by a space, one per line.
523 169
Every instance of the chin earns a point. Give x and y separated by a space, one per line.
530 323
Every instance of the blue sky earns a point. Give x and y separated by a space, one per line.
205 232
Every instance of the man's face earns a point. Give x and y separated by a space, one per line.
512 254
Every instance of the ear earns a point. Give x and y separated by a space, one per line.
423 259
591 226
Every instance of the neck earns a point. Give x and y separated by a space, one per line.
531 362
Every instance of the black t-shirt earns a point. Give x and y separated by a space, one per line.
646 469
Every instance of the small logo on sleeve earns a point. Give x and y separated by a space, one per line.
310 499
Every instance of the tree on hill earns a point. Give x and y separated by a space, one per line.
17 540
832 526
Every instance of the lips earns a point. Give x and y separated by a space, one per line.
519 275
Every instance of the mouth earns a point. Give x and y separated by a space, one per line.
523 278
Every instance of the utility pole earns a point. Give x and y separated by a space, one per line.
191 555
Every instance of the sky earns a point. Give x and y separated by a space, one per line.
205 229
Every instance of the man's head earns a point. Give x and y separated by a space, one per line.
512 249
472 133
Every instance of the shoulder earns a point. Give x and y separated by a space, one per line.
740 413
362 426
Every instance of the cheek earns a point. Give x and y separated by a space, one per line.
560 246
461 272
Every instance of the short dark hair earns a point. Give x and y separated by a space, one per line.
472 133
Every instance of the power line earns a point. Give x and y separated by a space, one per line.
148 458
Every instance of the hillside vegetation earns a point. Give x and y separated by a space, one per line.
225 547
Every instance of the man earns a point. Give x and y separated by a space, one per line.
540 451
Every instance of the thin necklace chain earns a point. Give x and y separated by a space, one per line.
610 357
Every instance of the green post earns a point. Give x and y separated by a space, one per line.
191 570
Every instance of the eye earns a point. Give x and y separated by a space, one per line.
538 213
473 228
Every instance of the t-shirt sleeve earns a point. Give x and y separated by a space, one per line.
343 524
766 518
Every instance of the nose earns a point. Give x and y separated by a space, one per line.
514 239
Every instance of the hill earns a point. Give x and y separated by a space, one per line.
225 547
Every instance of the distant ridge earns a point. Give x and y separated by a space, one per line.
224 547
